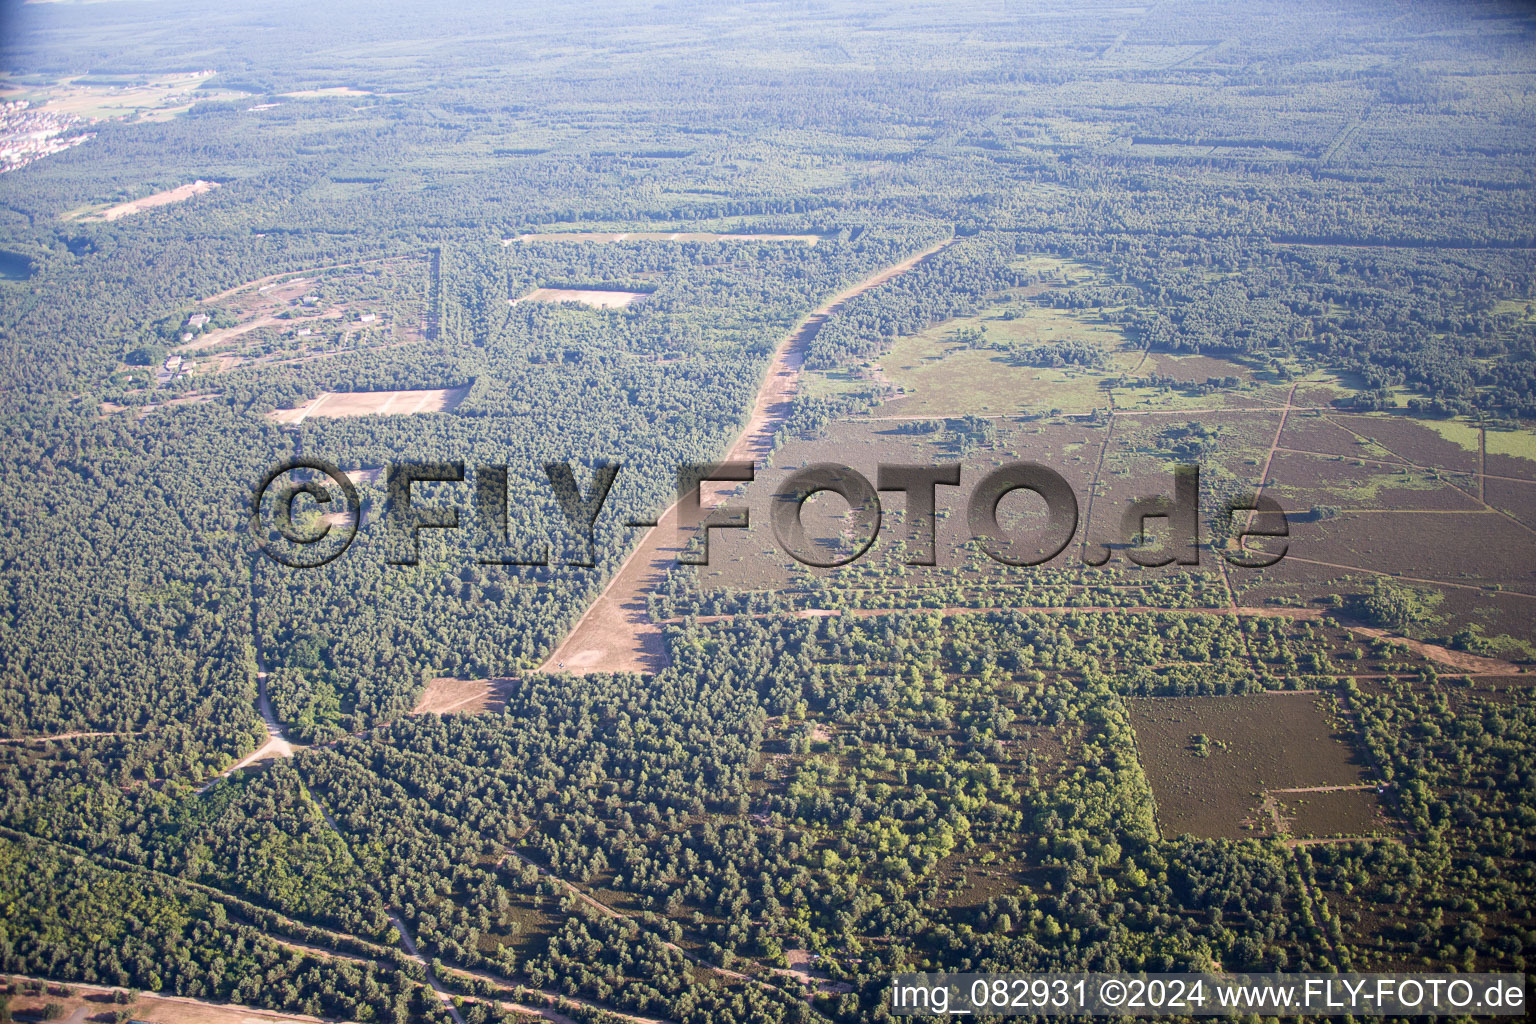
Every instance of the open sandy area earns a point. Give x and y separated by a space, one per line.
336 404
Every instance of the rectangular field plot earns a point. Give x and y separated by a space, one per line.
603 237
1466 549
1211 760
1332 813
298 317
336 404
586 296
1300 482
173 195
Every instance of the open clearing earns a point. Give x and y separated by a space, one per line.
657 236
1346 479
95 1003
337 404
941 372
446 695
1332 812
586 296
170 195
152 97
310 314
1216 788
334 90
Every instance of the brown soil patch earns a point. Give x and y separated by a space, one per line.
802 968
335 90
1196 368
445 695
94 1003
1411 441
337 404
174 195
616 634
586 296
657 236
1467 549
1461 661
1332 812
1299 481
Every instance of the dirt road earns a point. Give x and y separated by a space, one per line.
616 634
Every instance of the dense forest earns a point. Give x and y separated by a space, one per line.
795 807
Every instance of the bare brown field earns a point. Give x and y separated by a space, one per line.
1254 744
1461 661
1301 481
1500 614
1411 441
306 315
1194 368
586 296
1514 498
334 90
173 195
1315 432
1470 550
1512 466
1337 812
615 633
337 404
445 695
604 237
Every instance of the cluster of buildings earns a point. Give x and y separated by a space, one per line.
28 134
170 371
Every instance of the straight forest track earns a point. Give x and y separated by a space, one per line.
615 634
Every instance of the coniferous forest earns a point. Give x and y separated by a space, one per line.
1294 244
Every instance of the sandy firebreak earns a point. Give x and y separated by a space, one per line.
616 634
370 403
94 1002
174 195
609 237
586 296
